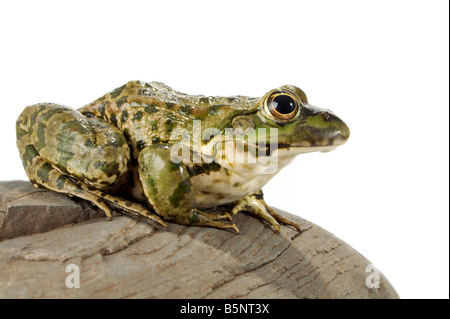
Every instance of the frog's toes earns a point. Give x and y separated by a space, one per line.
240 206
256 206
200 218
134 209
221 216
282 219
106 201
103 206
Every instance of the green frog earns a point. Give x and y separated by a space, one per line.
148 150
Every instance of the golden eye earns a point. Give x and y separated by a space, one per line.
281 105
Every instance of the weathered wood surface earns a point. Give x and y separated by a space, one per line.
42 232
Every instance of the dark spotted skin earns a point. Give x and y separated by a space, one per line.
121 143
52 156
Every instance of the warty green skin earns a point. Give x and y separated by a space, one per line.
115 151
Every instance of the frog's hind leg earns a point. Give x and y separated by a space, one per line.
68 153
51 178
122 204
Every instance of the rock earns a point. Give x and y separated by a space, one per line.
26 210
128 258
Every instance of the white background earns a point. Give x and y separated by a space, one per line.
382 66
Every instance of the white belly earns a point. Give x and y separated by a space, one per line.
236 180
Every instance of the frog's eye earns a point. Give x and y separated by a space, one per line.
281 105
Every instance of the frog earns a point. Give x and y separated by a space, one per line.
121 152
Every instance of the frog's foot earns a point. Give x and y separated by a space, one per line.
199 218
122 204
51 178
219 216
255 205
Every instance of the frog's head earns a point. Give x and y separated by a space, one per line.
301 127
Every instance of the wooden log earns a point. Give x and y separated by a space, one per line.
42 232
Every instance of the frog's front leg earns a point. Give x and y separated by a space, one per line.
255 205
168 189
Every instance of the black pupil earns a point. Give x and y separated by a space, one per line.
283 104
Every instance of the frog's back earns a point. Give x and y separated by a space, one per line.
160 100
147 113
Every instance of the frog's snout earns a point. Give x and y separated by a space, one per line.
325 130
340 133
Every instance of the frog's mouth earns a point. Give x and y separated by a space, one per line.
298 148
321 131
318 141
